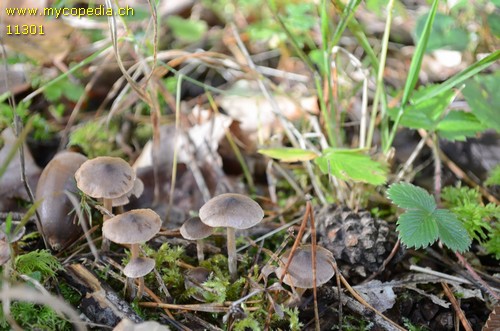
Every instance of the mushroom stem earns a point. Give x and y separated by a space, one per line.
108 205
134 251
134 254
231 253
199 249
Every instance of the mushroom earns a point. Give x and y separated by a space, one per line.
139 267
133 227
59 224
128 325
299 274
195 229
232 211
105 178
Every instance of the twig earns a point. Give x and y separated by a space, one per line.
456 306
440 274
476 277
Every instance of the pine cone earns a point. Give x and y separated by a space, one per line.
359 242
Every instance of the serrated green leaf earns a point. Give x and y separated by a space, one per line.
411 197
286 154
481 93
451 231
352 165
458 125
417 228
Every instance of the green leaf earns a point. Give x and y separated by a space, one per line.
411 197
187 30
287 154
446 34
481 93
417 228
352 165
426 114
458 125
451 231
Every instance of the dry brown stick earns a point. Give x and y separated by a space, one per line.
456 306
296 243
205 307
313 256
476 277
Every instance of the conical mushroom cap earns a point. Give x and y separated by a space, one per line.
105 177
139 267
231 210
194 229
299 272
133 227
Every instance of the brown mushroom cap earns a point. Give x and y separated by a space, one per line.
136 191
128 325
231 210
139 267
105 177
299 272
194 229
133 227
56 217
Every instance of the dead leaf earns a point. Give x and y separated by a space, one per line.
380 295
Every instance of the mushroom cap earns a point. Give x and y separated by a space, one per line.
128 325
139 267
12 236
194 229
105 177
136 191
299 272
133 227
231 210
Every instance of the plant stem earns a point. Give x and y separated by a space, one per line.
231 254
380 73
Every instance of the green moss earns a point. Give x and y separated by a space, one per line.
40 263
34 317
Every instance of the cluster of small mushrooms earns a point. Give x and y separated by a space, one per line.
113 181
231 211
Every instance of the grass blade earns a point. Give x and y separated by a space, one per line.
415 65
460 77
